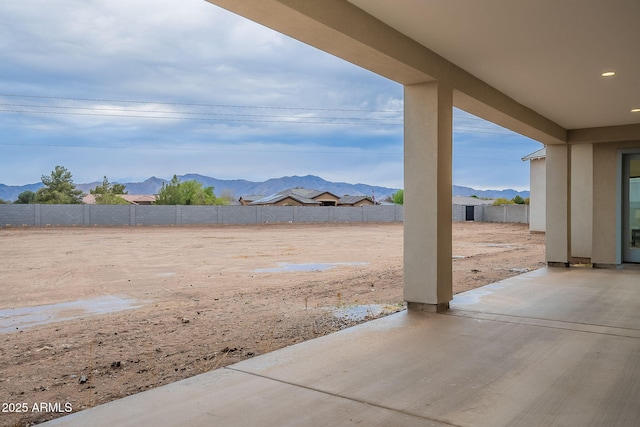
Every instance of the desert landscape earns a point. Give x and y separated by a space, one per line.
89 315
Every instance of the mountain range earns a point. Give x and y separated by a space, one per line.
240 187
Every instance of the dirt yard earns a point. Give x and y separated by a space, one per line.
89 315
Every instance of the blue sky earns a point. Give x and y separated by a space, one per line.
133 89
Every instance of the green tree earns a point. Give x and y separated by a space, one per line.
169 194
107 193
518 200
527 201
58 188
227 197
26 197
502 201
398 197
2 202
186 193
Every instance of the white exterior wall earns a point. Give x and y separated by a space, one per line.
538 197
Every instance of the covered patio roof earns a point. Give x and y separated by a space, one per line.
532 66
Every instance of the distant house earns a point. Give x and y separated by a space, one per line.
133 199
355 201
249 198
139 199
325 198
538 197
308 197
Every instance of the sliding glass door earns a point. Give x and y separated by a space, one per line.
631 208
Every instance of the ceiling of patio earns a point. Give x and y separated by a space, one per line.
548 55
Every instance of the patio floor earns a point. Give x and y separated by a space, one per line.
554 347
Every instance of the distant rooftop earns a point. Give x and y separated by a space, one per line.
536 155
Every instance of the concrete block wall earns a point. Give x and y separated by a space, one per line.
156 215
237 215
488 213
109 215
346 214
18 215
507 213
380 213
62 215
274 214
195 215
478 212
119 215
458 213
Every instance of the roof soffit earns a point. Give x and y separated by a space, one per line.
544 54
530 66
342 29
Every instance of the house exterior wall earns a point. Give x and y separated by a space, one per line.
364 202
581 201
607 227
538 197
558 205
286 202
327 198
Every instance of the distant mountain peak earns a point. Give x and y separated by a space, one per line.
239 187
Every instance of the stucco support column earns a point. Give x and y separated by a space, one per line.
581 203
558 206
428 109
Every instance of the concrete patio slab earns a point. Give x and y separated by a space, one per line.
555 347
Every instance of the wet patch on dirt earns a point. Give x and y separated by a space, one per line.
360 312
284 267
13 319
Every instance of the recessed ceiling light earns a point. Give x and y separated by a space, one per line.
635 110
608 74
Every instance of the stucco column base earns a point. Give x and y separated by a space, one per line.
579 260
427 308
558 264
606 266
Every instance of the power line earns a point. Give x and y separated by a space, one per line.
461 128
210 148
195 118
195 104
467 116
184 112
293 119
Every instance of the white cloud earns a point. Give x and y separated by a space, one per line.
168 53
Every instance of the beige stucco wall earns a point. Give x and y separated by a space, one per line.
428 201
538 198
287 202
581 200
557 206
606 196
327 198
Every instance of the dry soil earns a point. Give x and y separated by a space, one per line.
156 305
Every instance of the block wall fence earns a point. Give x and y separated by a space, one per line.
131 215
489 213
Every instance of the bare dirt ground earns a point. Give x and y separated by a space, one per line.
200 302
